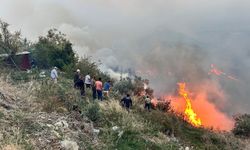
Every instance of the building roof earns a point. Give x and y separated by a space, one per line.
4 55
23 53
19 53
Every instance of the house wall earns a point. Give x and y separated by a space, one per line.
25 62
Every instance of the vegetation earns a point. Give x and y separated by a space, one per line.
11 43
242 125
135 86
159 129
138 130
124 86
86 66
93 112
60 113
54 50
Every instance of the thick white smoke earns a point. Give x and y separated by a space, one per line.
164 40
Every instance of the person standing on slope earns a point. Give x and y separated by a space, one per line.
107 86
148 103
80 84
54 75
88 81
76 77
127 102
98 85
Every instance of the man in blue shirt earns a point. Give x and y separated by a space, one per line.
107 86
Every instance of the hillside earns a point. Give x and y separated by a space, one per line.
37 114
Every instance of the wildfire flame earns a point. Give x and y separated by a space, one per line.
189 112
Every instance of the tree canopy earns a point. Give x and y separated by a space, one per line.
54 50
11 43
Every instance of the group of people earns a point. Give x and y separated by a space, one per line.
96 85
80 82
127 102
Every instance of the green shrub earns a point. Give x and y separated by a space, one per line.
88 66
124 86
242 125
57 97
24 76
131 140
93 112
20 76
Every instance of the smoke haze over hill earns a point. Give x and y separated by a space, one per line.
164 40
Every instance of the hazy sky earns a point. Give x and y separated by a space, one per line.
166 40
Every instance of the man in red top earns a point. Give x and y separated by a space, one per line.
98 85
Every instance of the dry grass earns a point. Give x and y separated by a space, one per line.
135 132
13 132
11 147
122 117
21 96
33 97
112 105
159 139
138 125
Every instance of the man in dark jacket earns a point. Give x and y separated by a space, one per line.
76 77
81 85
127 102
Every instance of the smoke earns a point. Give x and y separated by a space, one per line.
165 41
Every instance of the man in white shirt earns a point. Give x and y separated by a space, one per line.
88 81
54 75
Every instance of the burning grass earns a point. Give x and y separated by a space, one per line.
191 116
142 126
197 107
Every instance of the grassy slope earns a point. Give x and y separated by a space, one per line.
136 130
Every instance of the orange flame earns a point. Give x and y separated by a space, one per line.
206 106
189 112
154 102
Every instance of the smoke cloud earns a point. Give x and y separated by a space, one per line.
165 41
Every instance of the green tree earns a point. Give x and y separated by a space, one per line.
87 66
54 50
124 86
10 42
242 125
